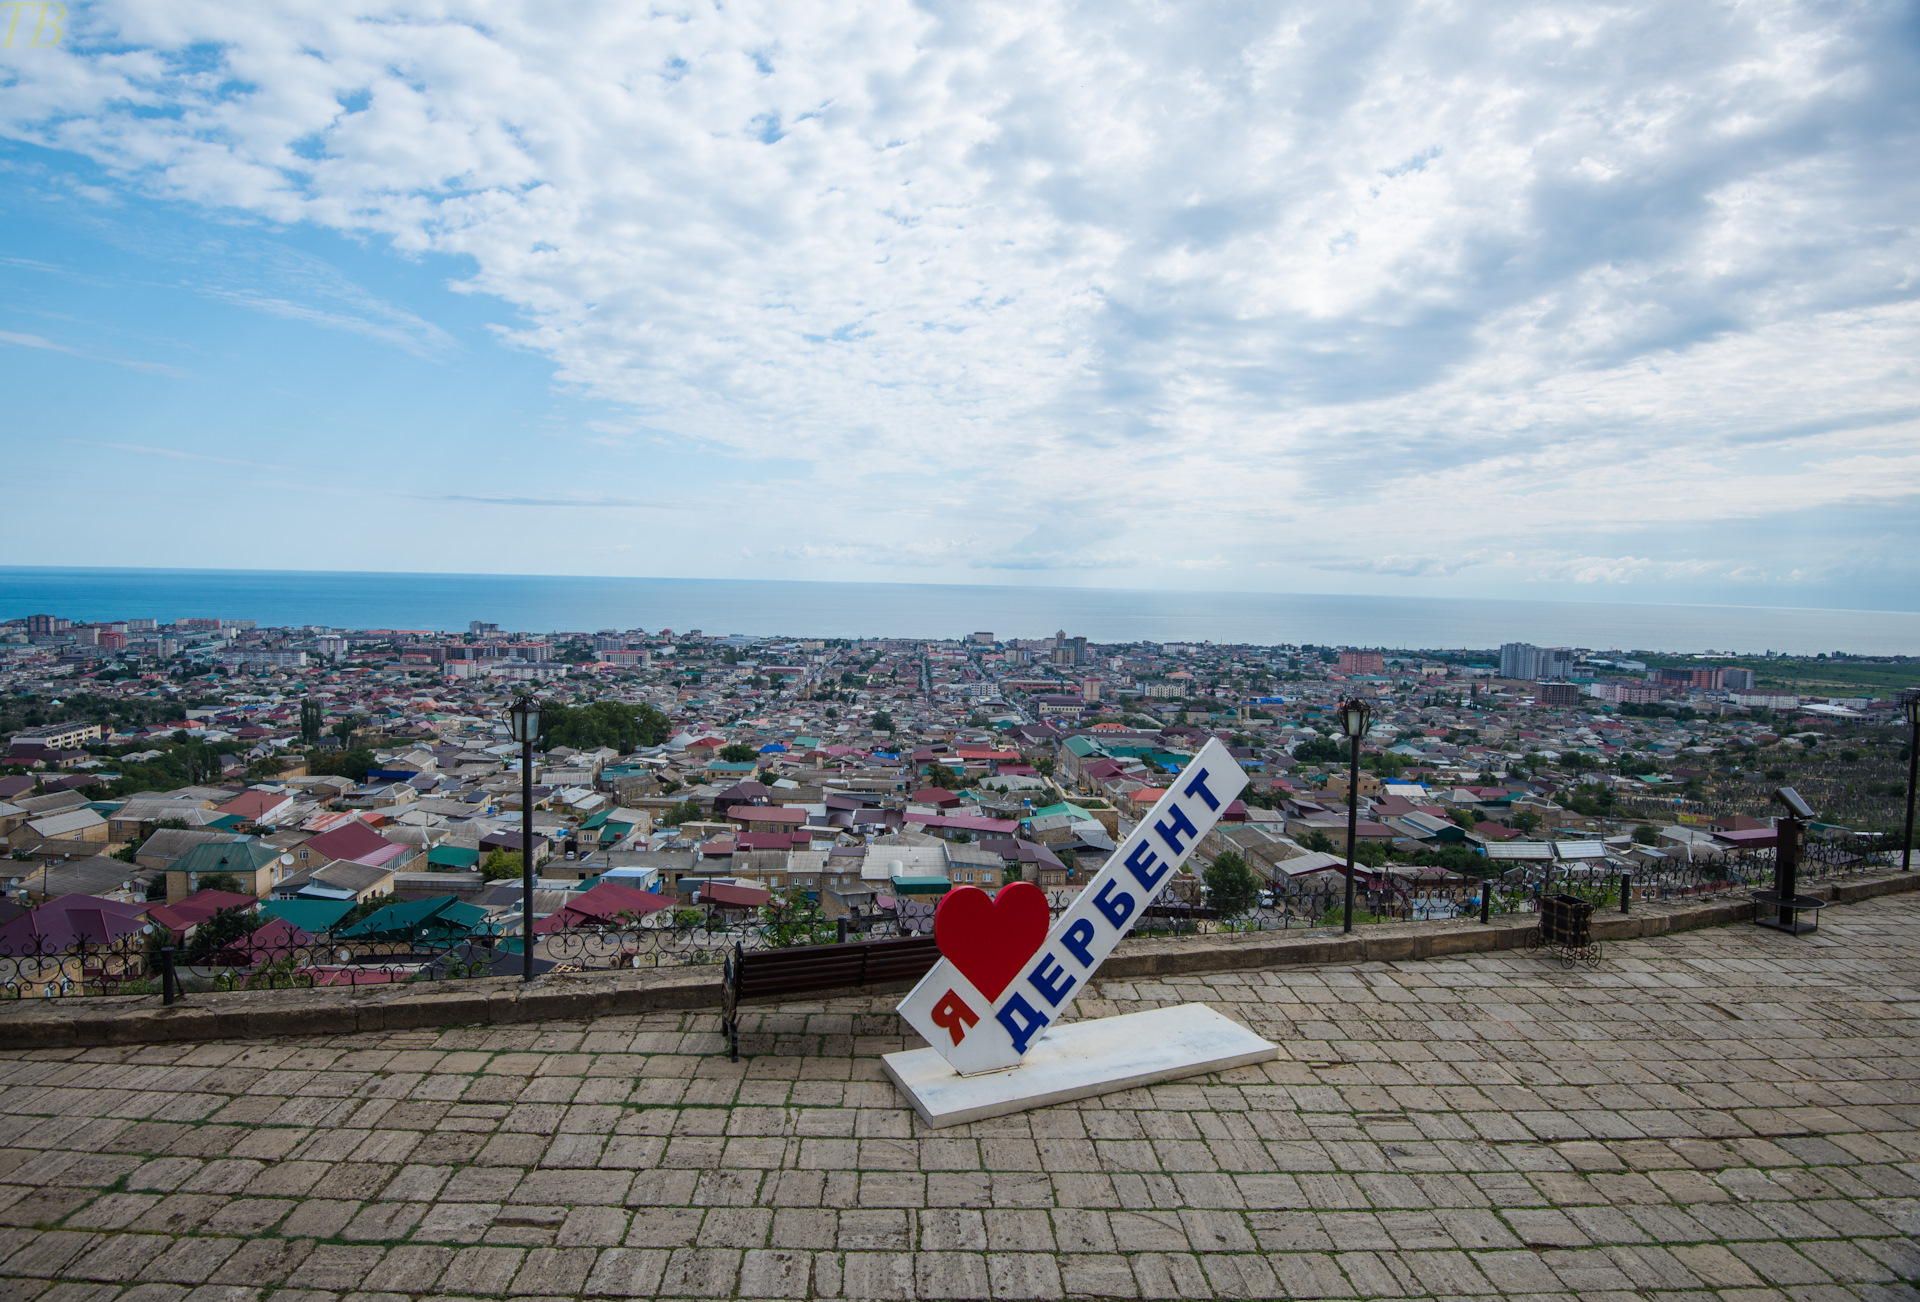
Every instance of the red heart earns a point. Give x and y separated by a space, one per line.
990 937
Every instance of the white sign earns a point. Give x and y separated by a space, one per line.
977 1032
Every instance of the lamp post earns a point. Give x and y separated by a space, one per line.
523 722
1911 706
1355 716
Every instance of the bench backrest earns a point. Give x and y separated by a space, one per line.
825 967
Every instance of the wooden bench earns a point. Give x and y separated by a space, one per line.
764 973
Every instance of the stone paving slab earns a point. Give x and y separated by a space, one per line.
1725 1113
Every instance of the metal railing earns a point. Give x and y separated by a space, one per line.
142 964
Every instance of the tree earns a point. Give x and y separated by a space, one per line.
1231 886
267 766
220 931
353 764
738 753
221 882
343 729
1646 834
882 722
500 865
1044 766
622 725
310 722
1320 750
684 812
1526 820
1317 841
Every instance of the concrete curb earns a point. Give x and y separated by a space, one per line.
504 1000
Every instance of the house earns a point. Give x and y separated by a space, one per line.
354 840
256 806
159 851
63 922
99 874
182 916
437 920
81 824
606 904
341 879
256 867
135 819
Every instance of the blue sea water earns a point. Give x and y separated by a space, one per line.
719 606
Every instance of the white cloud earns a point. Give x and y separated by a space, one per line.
1197 286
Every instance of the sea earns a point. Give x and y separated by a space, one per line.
756 608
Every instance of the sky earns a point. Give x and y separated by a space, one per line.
1616 302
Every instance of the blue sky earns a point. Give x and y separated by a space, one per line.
1562 301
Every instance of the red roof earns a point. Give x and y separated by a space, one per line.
57 924
352 840
606 902
197 908
252 804
935 796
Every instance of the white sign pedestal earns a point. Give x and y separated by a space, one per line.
1078 1061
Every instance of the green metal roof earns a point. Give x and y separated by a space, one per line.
439 915
922 885
313 916
453 856
226 857
1082 746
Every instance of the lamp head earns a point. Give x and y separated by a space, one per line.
1911 708
523 718
1355 716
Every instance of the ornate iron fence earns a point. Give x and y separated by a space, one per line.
142 964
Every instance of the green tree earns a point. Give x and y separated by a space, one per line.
622 725
1044 766
220 931
221 882
310 722
882 722
1317 841
343 729
1231 886
1526 820
353 764
739 753
500 865
1646 834
684 812
1320 750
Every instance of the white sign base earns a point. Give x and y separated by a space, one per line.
1080 1060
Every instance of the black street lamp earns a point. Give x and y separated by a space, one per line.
1355 716
523 722
1911 706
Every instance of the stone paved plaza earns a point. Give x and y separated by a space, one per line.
1722 1113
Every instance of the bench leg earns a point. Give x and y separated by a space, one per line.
733 1039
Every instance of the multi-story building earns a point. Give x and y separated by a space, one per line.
58 736
1558 695
1362 662
1524 661
1699 679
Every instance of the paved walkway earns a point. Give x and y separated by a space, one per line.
1724 1113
